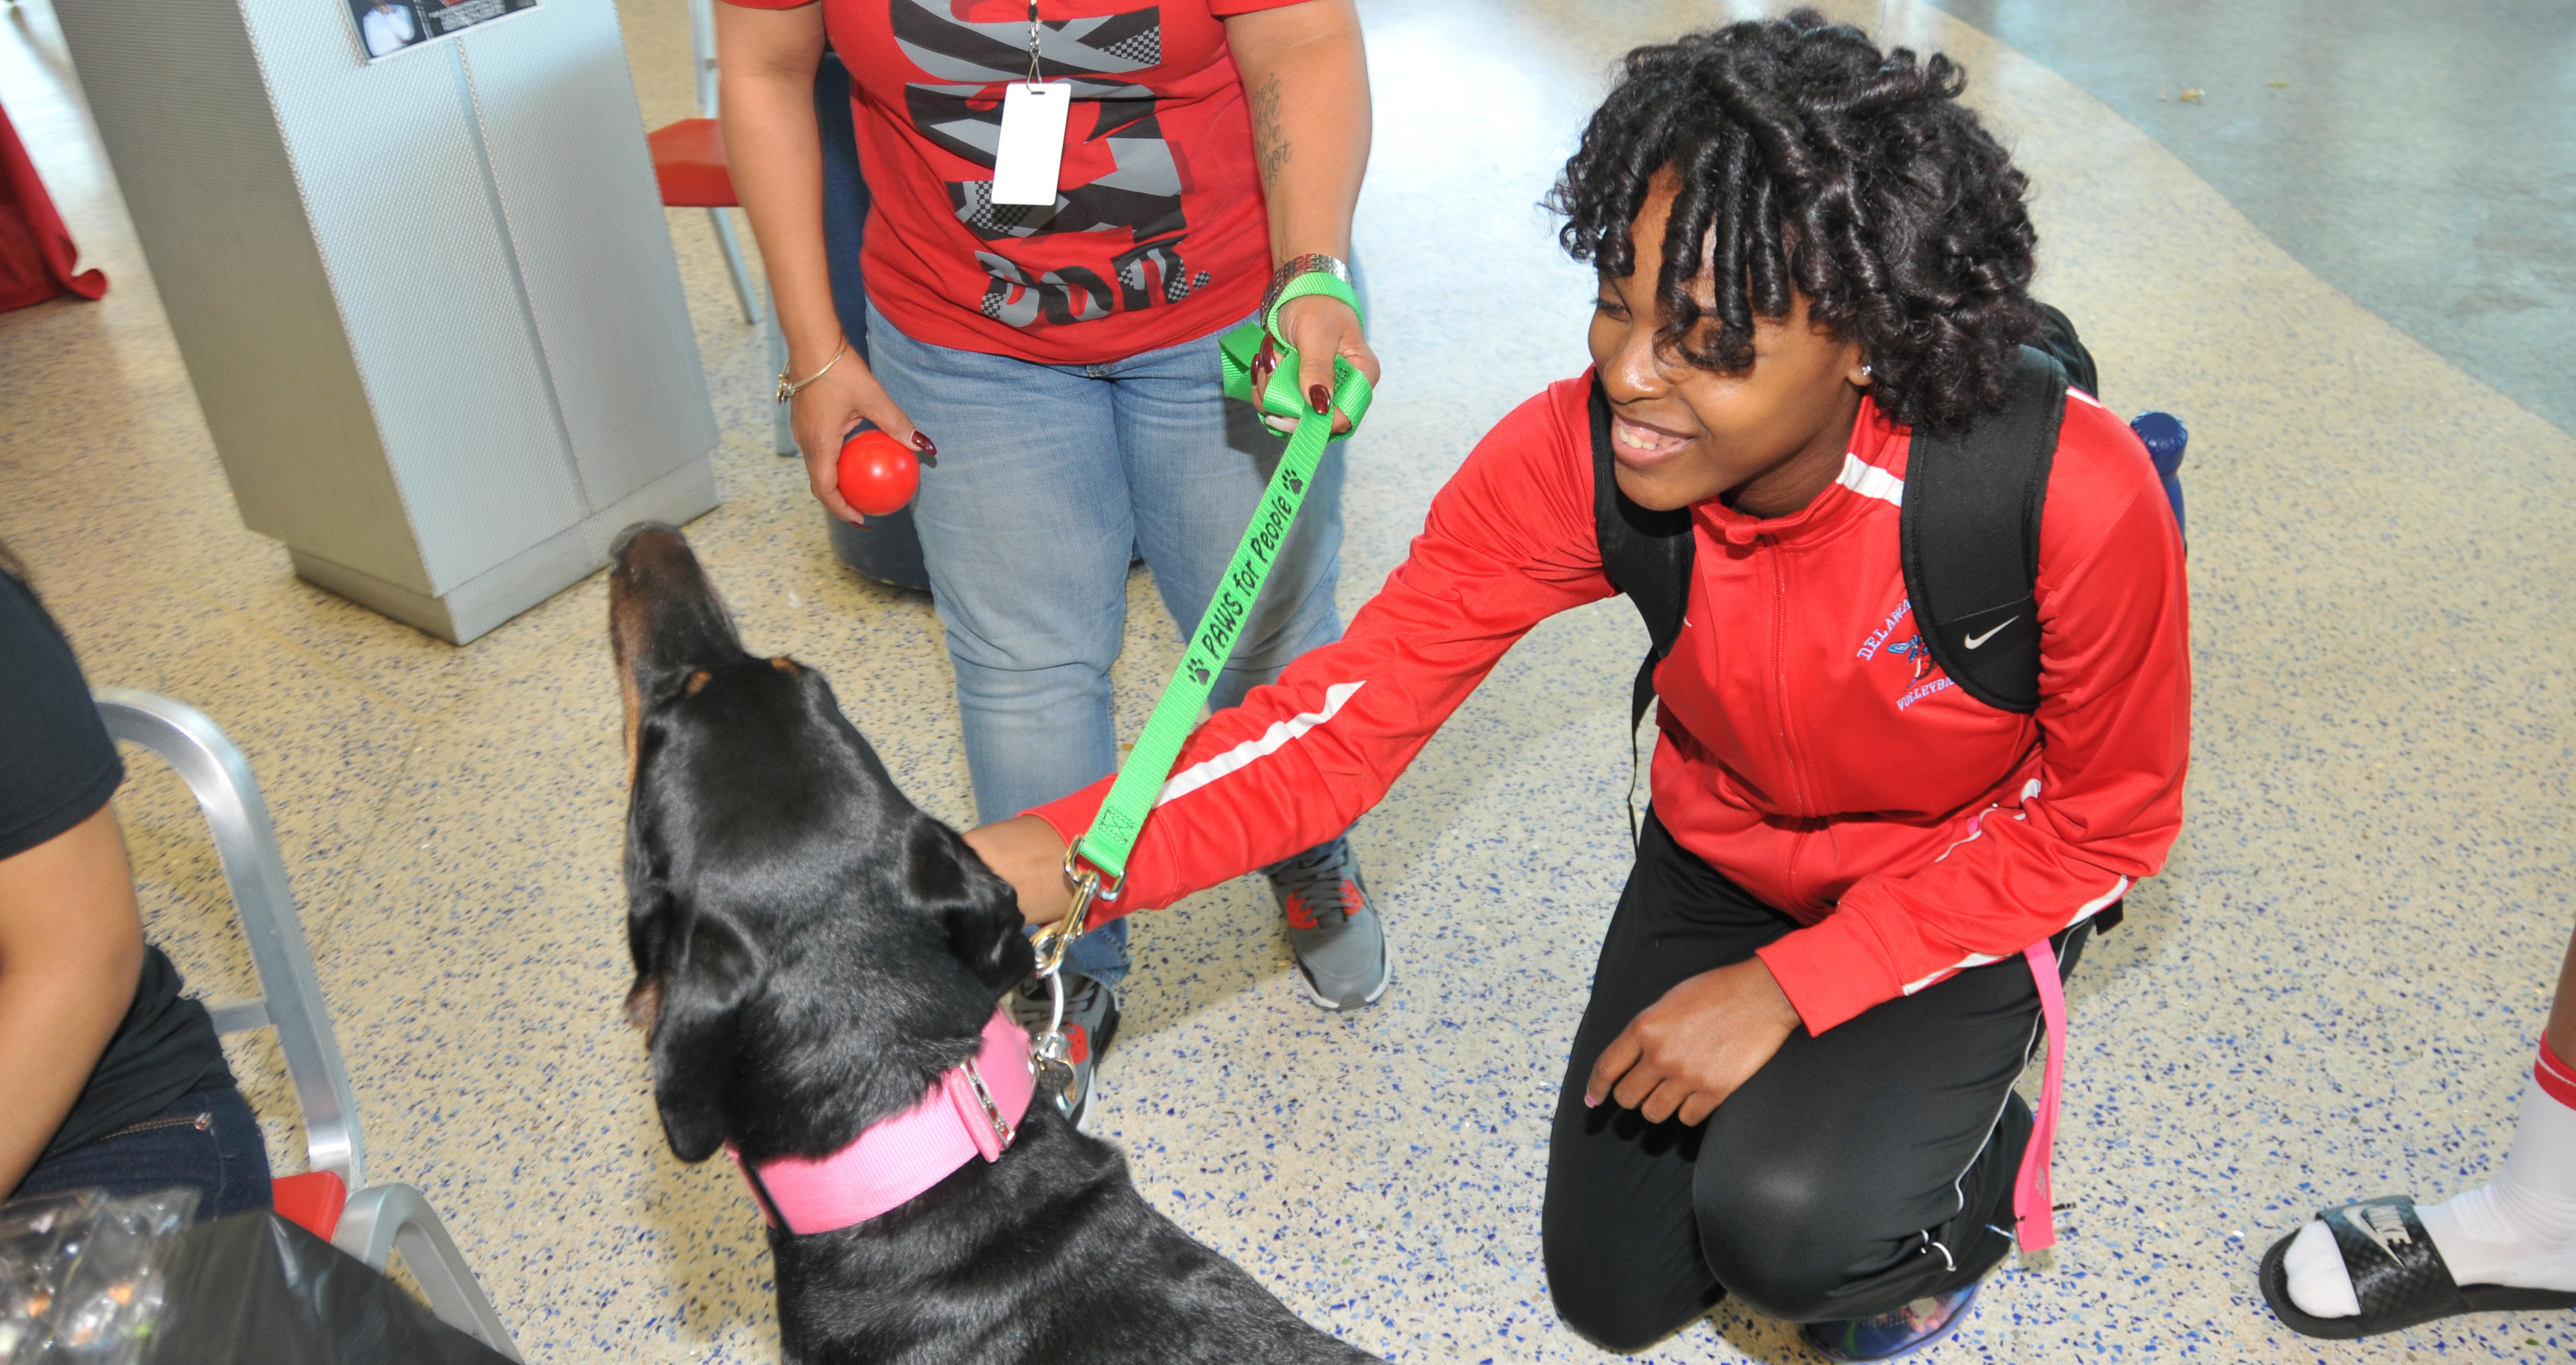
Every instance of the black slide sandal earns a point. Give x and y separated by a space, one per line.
2397 1275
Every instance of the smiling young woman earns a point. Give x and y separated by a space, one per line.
1793 1080
1766 437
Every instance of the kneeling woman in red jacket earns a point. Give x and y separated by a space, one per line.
1793 1082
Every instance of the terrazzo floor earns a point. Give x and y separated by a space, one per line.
2331 991
2420 159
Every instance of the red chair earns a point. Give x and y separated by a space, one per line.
689 161
689 164
311 1201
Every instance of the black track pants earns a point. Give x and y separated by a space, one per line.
1851 1174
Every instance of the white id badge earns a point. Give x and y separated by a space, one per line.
1032 147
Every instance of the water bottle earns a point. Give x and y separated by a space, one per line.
2164 436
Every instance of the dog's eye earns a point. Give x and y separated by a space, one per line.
697 682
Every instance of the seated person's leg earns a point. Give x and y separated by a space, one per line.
208 1141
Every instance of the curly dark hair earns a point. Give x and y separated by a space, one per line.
1820 164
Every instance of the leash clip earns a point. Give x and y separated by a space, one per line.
1051 1056
1088 886
1051 1059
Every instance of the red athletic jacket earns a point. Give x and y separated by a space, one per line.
1811 750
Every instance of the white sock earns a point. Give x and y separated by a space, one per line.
2519 1230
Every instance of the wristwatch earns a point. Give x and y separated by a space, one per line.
1294 266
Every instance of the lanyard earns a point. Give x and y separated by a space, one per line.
1033 42
1121 817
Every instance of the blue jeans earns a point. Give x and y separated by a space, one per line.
208 1141
1050 479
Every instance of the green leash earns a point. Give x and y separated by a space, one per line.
1112 836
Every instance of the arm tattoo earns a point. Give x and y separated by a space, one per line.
1270 142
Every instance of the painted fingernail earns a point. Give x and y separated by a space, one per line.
929 450
1320 397
1590 1103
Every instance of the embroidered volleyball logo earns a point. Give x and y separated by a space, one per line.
1896 638
1913 647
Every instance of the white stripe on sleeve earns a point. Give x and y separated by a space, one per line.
2084 912
1243 755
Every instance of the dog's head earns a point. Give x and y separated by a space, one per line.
811 951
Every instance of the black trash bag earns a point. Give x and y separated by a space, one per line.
254 1289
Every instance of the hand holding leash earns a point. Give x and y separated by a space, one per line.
1320 331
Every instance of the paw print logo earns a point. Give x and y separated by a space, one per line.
1198 672
1295 484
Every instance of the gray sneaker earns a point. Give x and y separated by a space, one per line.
1340 945
1090 1021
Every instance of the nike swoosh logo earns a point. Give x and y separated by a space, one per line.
1975 640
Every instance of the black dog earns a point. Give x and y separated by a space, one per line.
811 952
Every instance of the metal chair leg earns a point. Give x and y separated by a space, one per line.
220 778
388 1218
731 246
782 432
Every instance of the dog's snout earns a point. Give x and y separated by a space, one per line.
649 556
639 531
664 613
664 617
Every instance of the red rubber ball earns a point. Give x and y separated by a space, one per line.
878 474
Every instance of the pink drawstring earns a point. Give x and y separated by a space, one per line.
2033 1215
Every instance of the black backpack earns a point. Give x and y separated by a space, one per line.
1968 533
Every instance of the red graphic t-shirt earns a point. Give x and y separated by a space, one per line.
1159 232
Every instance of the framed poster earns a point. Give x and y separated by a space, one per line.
386 27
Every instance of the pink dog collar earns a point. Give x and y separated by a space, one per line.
973 1110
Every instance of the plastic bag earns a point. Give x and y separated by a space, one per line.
82 1276
254 1289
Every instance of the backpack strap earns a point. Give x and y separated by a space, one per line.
1968 535
1969 538
2057 338
1646 555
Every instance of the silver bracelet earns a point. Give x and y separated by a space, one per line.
787 392
1295 266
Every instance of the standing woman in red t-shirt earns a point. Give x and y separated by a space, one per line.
1064 356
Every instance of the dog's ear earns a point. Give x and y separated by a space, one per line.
981 911
706 976
992 940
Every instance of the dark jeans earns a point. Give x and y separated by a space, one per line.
208 1141
1852 1174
